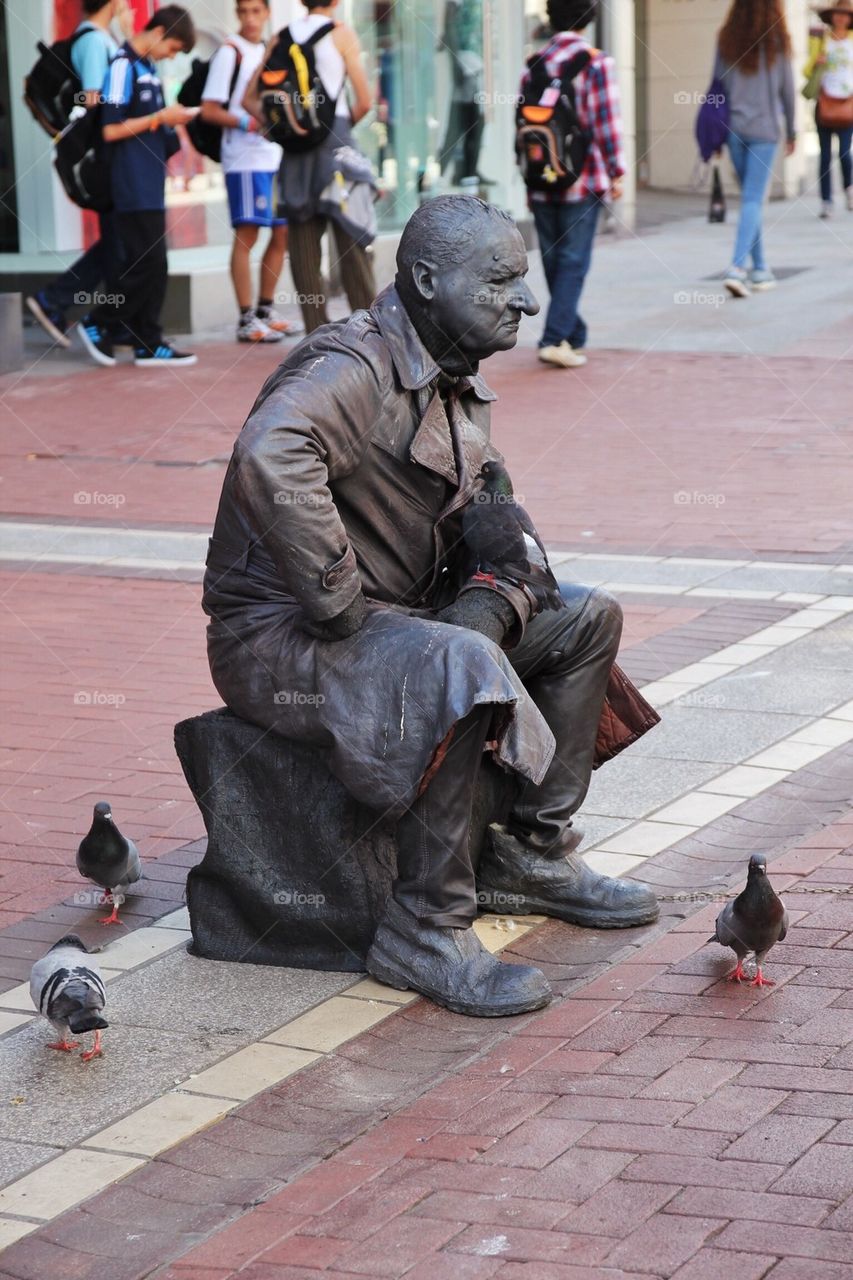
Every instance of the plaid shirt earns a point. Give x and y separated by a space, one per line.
598 107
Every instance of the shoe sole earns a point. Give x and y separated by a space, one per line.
762 288
586 918
108 362
558 364
166 364
37 312
392 978
736 288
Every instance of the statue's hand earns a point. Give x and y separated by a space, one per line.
481 610
344 624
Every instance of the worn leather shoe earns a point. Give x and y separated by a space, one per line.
451 967
526 883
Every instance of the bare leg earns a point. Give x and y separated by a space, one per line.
273 261
245 238
96 1051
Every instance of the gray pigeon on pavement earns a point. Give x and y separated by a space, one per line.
503 539
753 922
109 859
67 988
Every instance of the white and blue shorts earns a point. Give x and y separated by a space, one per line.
253 199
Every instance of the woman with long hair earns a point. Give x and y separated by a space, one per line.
754 64
831 53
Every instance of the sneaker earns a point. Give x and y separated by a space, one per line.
763 279
736 281
97 342
163 356
825 210
278 324
562 357
50 318
849 194
253 329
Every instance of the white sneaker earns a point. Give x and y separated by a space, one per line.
278 324
849 195
825 209
251 329
761 280
562 357
736 281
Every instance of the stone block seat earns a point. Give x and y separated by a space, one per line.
296 872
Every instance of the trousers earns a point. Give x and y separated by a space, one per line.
356 267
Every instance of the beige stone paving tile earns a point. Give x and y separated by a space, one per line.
799 597
697 808
70 1178
160 1124
844 712
661 692
248 1071
646 838
179 919
370 989
731 593
141 945
611 864
18 998
497 932
741 654
744 781
777 635
787 755
643 588
843 604
330 1024
809 619
704 671
12 1229
824 732
9 1021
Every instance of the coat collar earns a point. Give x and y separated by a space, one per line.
414 365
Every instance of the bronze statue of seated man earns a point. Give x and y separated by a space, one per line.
339 572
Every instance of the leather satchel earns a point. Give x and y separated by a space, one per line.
835 113
625 717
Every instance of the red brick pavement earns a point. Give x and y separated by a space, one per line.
643 452
657 1122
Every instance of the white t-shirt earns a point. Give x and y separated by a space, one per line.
837 79
327 59
241 152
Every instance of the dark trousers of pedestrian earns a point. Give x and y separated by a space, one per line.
463 139
566 236
825 136
138 289
76 286
305 243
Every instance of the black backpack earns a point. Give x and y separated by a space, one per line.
297 108
52 88
80 159
551 145
205 137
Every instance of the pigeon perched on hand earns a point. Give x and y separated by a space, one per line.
503 539
109 859
67 988
753 923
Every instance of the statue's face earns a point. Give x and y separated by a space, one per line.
479 303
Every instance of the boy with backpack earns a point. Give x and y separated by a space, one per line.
250 164
91 49
139 129
565 194
327 55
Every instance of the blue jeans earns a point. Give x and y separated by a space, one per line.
95 267
566 234
753 162
825 136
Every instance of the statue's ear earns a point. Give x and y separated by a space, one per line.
423 278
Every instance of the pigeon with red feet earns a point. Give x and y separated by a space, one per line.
503 539
109 859
752 923
67 988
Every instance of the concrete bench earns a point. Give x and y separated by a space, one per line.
296 872
11 333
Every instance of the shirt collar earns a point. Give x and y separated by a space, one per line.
415 367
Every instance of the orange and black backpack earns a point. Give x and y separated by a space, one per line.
298 109
551 145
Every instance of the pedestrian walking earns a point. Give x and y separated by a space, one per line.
305 175
566 217
753 63
830 71
250 163
140 131
92 48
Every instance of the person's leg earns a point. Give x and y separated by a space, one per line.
142 280
245 239
356 266
306 240
825 165
474 123
567 238
754 166
272 263
845 137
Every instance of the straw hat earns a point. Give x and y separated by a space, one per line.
840 6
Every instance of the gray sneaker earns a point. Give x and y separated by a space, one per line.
761 280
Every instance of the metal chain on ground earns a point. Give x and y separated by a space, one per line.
705 895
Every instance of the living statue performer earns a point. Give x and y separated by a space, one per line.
339 571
